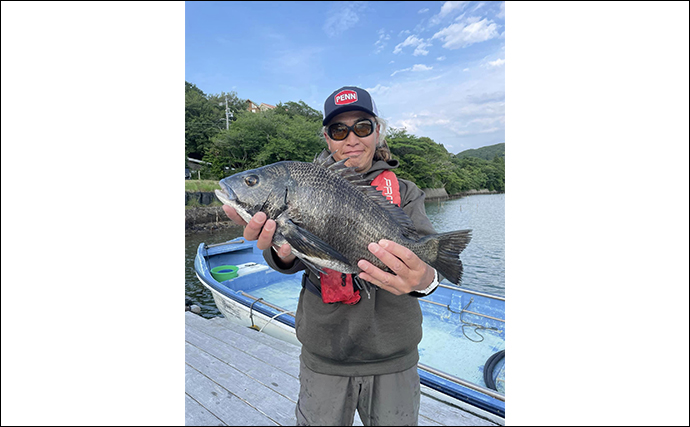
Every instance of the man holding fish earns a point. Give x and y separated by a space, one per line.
359 352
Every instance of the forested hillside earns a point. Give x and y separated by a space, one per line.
486 153
291 132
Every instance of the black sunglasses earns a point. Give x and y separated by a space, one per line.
340 131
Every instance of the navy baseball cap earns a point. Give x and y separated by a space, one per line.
348 98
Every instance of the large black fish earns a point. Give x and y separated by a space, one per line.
329 214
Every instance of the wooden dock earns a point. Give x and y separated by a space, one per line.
235 375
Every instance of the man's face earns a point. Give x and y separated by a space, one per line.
359 150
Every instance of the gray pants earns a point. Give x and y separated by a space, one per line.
381 400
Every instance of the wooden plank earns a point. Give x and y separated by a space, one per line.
260 371
223 404
278 408
263 338
266 358
446 414
424 421
197 415
282 361
469 410
284 346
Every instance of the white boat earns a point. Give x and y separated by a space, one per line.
463 345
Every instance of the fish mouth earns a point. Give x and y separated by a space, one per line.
228 197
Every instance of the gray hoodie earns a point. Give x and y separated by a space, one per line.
376 336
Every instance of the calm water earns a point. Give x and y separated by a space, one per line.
483 259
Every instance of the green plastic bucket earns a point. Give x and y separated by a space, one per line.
224 272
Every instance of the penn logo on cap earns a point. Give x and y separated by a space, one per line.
345 97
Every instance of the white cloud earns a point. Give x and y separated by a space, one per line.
425 10
409 125
456 109
478 6
381 42
414 68
379 89
502 12
441 58
420 45
488 120
466 69
421 67
463 34
410 41
342 17
421 49
480 131
497 63
484 108
403 32
447 8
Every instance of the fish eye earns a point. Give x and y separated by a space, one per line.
251 180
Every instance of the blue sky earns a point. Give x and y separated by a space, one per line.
435 68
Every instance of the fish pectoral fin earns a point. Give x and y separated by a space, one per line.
313 267
307 243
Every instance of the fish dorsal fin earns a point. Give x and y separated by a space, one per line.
393 210
326 160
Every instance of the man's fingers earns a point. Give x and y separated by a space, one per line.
375 275
284 250
265 239
253 228
391 261
402 253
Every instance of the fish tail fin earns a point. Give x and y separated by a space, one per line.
448 248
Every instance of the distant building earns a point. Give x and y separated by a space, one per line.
251 106
194 165
255 108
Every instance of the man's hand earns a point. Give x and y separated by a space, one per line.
411 273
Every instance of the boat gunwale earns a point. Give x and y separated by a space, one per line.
474 396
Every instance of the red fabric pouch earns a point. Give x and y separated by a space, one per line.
338 287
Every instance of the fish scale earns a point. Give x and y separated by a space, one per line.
329 214
341 208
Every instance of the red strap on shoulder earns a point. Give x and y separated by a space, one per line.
387 184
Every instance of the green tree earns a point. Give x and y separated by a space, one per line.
258 139
235 105
422 160
300 108
205 117
291 132
202 121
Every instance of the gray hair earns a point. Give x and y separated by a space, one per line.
383 152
